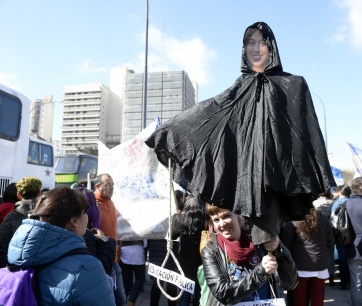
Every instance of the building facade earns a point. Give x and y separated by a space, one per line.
113 115
91 112
168 93
41 117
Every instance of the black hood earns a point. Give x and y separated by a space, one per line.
275 64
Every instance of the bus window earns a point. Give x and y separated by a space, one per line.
40 154
46 155
88 165
67 165
10 113
33 153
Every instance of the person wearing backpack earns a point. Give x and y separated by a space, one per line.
344 193
354 249
28 189
77 279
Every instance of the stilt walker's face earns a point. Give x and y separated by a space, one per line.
257 52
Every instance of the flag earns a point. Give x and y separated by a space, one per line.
357 159
338 176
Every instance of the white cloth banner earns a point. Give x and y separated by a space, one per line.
141 187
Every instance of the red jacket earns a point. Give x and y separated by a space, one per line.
5 209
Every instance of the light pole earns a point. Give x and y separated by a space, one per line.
325 121
144 102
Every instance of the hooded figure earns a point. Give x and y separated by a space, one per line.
256 148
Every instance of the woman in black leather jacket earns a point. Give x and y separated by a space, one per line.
236 270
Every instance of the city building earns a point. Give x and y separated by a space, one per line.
113 115
41 117
168 93
91 112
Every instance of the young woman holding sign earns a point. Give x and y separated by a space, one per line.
238 272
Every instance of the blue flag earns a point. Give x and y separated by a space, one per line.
338 176
357 159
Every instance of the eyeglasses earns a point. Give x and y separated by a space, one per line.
107 185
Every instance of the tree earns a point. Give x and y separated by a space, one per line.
91 150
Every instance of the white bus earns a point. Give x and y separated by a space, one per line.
40 162
15 143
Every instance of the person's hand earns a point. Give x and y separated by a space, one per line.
269 263
97 232
272 244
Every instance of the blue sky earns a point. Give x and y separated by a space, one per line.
47 45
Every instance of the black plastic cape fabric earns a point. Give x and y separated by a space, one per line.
259 135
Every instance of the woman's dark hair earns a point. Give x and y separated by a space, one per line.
192 217
346 191
94 216
10 194
59 205
356 185
308 227
249 32
327 193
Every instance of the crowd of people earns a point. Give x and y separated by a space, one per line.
42 227
263 239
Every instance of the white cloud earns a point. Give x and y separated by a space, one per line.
352 32
170 53
86 68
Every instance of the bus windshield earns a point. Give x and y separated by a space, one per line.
67 165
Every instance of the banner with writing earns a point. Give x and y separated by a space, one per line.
172 277
141 187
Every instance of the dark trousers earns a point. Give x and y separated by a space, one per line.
171 290
308 289
133 288
343 264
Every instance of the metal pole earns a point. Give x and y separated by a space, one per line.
325 121
144 102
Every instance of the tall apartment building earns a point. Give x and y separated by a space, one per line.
91 112
41 117
168 93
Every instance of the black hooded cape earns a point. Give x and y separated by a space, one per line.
259 135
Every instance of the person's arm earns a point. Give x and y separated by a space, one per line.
222 288
287 269
330 236
102 247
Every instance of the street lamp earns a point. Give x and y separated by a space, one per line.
325 121
144 101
